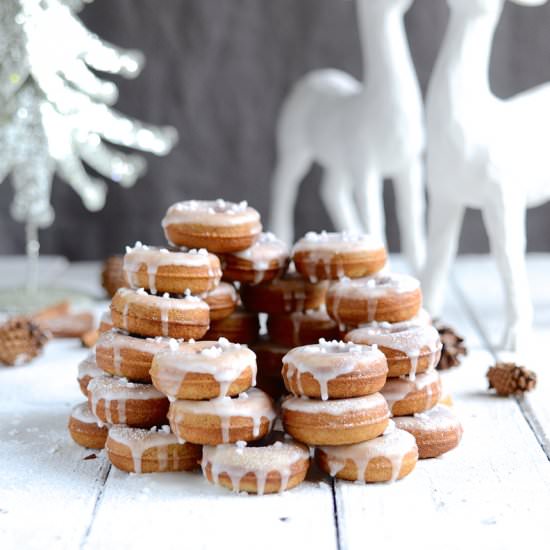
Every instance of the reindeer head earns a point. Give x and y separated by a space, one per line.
476 7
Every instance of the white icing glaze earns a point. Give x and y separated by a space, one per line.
438 418
106 318
326 361
117 341
219 295
370 290
88 367
406 337
139 440
393 444
210 213
253 404
397 389
118 390
238 460
82 413
335 407
312 317
153 258
223 360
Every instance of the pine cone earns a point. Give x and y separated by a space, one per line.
511 379
20 341
453 347
112 275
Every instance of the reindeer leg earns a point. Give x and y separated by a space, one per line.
410 203
505 222
370 196
337 196
445 220
291 168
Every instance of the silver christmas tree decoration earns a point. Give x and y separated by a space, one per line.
56 114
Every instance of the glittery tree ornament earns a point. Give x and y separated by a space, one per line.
56 115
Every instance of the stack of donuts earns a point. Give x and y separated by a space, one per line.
172 381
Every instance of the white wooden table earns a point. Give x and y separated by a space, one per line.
492 492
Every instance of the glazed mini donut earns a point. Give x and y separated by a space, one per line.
240 327
270 468
162 270
391 456
117 401
406 396
146 451
436 431
204 370
137 312
325 255
105 322
301 328
336 422
420 319
269 358
409 348
390 297
123 355
219 226
334 370
222 301
247 417
88 370
264 261
289 293
84 429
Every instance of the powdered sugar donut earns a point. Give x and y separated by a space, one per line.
334 370
436 431
270 468
406 396
204 370
336 255
285 295
123 355
390 297
88 370
409 348
147 451
336 422
300 328
84 429
117 401
140 313
162 270
219 226
247 417
391 456
265 260
222 301
240 327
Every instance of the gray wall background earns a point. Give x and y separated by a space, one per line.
218 70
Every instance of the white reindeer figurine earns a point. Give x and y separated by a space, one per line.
486 153
360 134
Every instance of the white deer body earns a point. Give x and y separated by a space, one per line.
360 134
484 153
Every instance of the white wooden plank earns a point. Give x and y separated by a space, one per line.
476 496
485 299
47 490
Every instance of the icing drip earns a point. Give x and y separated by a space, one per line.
393 445
253 404
236 461
438 418
221 359
139 441
211 213
82 413
326 361
405 337
118 391
88 368
335 407
397 389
